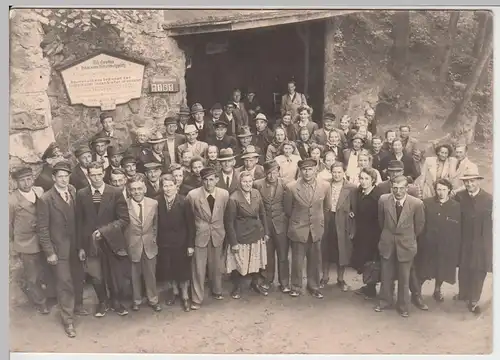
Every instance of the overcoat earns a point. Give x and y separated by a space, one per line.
429 175
78 178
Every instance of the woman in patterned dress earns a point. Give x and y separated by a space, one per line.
247 232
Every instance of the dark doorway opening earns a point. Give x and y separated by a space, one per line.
264 59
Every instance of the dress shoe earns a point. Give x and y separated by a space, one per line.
81 311
186 306
236 293
343 285
218 296
419 303
323 283
156 307
285 289
294 293
474 308
70 330
135 307
195 306
120 310
316 293
43 309
404 314
170 300
382 307
101 310
438 296
265 285
259 289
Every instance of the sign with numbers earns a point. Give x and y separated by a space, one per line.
164 85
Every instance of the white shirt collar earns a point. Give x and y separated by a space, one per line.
402 201
206 193
101 189
475 193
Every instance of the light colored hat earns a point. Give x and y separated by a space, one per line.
226 154
196 108
190 129
157 138
471 176
261 116
250 152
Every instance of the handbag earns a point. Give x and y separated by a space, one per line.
371 272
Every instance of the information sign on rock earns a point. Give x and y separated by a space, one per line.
159 84
103 80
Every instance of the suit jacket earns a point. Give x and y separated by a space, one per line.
274 205
234 183
192 181
377 161
292 104
247 223
263 139
107 174
141 235
199 149
226 142
111 219
411 146
400 236
175 227
22 222
385 188
428 177
306 215
240 114
104 161
233 125
210 226
259 172
44 179
466 166
56 225
78 178
311 126
208 128
179 140
410 168
147 156
150 190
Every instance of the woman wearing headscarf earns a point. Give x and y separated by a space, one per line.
441 166
247 232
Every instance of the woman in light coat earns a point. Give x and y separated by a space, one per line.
441 166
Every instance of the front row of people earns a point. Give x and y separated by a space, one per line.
111 235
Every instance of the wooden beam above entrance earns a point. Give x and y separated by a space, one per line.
200 23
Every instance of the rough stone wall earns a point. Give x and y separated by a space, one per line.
46 38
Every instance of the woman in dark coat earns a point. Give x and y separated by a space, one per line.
174 261
397 153
247 233
439 245
365 242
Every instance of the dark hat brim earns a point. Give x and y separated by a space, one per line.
472 177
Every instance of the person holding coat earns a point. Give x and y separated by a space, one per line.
402 219
439 244
476 253
247 233
367 236
339 227
174 229
305 202
272 190
140 236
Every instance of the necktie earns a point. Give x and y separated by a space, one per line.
211 202
227 182
66 197
399 208
96 199
458 163
140 212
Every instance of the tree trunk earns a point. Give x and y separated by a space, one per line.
452 31
481 33
456 118
401 44
484 74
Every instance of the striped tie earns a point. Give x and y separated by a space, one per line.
96 199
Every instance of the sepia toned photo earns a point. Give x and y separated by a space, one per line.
250 181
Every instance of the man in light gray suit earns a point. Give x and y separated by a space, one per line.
401 218
140 236
207 205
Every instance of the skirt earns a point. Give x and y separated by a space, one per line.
249 259
330 241
173 264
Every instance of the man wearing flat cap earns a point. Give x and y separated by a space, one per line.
156 153
207 208
99 147
56 227
305 202
201 124
197 147
220 138
272 191
23 235
51 155
115 156
476 259
79 177
173 140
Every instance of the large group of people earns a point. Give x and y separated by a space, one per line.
227 193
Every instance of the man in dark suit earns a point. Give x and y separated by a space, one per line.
173 140
183 118
115 156
153 173
272 190
229 177
263 135
202 125
156 153
250 158
402 219
23 236
239 111
193 179
215 114
108 128
99 147
51 156
220 137
377 153
102 215
57 231
79 176
228 117
207 208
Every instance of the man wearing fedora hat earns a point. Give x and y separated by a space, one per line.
207 208
23 235
228 117
99 146
197 147
245 138
215 112
250 158
201 124
272 190
156 153
173 140
56 227
79 175
305 202
220 138
229 176
140 144
183 118
115 156
476 259
263 135
464 166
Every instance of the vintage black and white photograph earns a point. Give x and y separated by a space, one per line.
251 181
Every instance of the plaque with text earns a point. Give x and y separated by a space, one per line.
160 84
103 80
